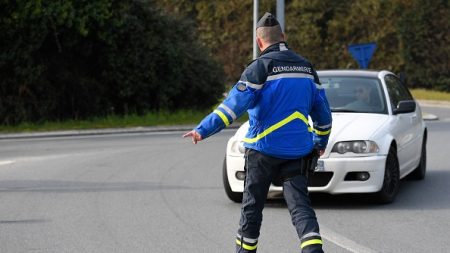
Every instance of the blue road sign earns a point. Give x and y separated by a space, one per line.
362 53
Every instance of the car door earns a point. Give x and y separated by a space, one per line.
406 127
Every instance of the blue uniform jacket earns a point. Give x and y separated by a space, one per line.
279 90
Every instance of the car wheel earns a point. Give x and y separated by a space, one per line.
391 182
234 196
419 172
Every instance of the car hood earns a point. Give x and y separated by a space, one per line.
355 126
346 126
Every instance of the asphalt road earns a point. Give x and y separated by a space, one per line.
156 192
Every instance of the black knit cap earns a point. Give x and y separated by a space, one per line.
267 20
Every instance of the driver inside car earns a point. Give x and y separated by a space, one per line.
362 99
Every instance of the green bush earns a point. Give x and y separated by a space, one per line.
74 59
424 29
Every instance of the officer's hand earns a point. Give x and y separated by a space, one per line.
196 137
321 151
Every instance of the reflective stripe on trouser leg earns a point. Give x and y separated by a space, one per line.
295 191
244 244
311 242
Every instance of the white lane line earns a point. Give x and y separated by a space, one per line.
6 162
343 241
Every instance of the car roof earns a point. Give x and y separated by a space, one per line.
350 72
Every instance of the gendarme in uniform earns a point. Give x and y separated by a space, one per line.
279 90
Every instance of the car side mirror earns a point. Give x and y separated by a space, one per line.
405 106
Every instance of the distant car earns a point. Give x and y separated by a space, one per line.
378 137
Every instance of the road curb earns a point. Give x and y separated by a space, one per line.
107 131
434 103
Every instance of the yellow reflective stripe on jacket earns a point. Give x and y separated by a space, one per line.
310 242
222 116
245 246
295 115
322 132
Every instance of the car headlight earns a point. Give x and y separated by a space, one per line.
238 147
359 147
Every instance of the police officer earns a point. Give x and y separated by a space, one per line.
279 90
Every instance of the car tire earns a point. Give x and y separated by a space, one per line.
234 196
420 171
391 182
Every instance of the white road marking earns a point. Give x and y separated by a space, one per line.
6 162
343 241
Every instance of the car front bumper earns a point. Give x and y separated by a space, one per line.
331 179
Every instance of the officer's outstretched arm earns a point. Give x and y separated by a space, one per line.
240 98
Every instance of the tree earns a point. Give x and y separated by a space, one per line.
407 32
77 59
424 30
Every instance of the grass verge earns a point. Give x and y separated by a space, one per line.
423 94
114 121
183 117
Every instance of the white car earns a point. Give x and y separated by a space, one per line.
378 137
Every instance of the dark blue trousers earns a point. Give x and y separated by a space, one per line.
261 171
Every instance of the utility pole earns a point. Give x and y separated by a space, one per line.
280 13
279 16
255 21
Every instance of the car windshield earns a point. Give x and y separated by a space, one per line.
354 94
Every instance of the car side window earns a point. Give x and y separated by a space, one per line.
397 91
